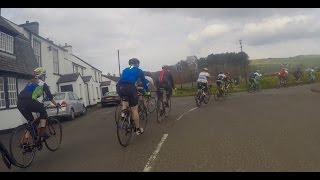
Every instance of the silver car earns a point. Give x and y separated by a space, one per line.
71 105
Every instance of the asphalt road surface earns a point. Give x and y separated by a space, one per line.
274 130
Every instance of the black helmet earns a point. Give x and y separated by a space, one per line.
134 61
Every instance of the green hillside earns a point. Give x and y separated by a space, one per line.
272 65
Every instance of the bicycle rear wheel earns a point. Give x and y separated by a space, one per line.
21 155
124 129
143 115
167 108
197 98
207 97
54 130
160 110
152 103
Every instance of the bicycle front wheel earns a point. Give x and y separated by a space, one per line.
124 130
21 154
152 103
54 130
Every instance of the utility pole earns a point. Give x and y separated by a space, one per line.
119 63
244 66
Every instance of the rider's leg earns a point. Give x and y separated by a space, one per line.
27 114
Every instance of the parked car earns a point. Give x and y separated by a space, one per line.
71 105
110 98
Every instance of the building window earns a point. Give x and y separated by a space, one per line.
55 61
66 88
37 51
81 71
12 92
2 95
95 76
6 43
77 69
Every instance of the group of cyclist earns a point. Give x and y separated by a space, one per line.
204 80
284 74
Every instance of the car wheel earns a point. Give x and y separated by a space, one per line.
84 110
72 116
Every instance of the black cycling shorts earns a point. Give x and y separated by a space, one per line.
27 106
128 92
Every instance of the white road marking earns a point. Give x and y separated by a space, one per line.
186 113
148 167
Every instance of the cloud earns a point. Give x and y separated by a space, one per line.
165 36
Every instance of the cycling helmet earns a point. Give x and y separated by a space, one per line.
221 72
134 61
39 72
165 67
205 69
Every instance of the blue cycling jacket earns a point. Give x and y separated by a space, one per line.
131 75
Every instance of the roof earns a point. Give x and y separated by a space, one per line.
113 78
7 28
23 61
68 78
86 62
105 83
86 78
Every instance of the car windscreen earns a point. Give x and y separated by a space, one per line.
59 96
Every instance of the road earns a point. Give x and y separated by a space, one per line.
275 130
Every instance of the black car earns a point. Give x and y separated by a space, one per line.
110 98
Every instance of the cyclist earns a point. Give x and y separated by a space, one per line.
150 85
312 74
228 79
220 81
298 74
254 76
283 74
165 80
28 103
126 88
204 80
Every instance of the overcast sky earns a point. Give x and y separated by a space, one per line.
166 36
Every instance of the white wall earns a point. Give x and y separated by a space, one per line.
12 118
113 85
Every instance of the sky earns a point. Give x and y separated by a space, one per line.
164 36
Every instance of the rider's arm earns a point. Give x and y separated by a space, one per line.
171 80
48 93
143 80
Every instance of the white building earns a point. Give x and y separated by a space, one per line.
17 61
60 61
108 84
22 49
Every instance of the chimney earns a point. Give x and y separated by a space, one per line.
68 48
31 26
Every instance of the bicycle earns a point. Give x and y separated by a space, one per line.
125 125
201 96
6 158
151 103
163 108
220 93
28 147
228 87
254 87
283 81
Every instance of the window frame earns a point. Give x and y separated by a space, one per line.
4 95
55 61
35 45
